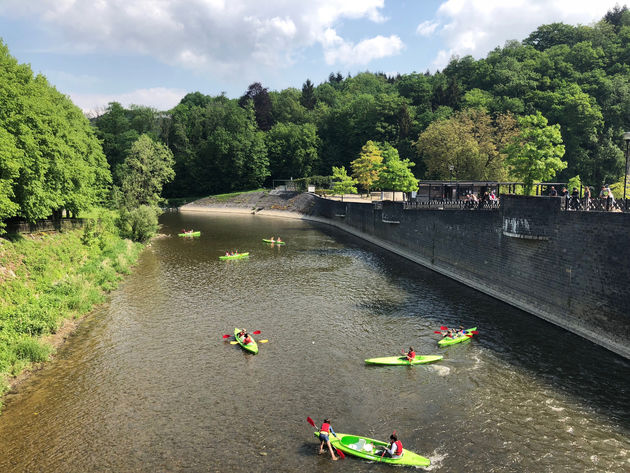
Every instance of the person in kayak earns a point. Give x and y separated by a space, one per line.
411 354
242 333
449 333
278 240
272 240
247 339
395 448
324 431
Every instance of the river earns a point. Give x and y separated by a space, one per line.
147 383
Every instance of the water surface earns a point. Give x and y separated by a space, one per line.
147 384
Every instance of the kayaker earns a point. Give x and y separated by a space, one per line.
411 354
247 339
395 448
242 333
272 240
324 431
449 333
278 240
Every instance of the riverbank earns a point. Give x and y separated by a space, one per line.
49 281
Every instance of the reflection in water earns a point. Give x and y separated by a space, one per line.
148 384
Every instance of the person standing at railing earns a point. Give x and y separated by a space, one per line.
607 195
575 198
587 198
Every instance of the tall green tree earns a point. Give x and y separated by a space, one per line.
292 150
535 154
147 168
396 175
308 99
366 168
342 183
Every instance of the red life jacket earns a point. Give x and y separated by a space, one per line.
398 444
411 355
325 428
247 340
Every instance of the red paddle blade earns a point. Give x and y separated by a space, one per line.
475 332
340 453
256 332
469 335
443 328
226 336
435 331
310 421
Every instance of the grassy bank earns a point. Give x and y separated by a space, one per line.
46 278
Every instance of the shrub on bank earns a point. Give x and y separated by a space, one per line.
48 277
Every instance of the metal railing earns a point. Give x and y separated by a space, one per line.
444 204
596 204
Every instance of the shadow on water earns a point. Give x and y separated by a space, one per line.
595 376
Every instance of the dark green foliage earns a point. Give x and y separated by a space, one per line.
308 99
577 77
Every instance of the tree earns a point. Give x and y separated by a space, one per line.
535 153
396 174
9 170
308 99
467 146
366 167
145 171
259 95
292 150
342 183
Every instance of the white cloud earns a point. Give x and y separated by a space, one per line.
217 36
476 27
338 51
427 28
158 97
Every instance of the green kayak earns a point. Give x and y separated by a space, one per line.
189 234
274 241
402 360
371 449
237 256
461 338
250 347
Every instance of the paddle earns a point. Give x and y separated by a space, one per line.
339 452
259 341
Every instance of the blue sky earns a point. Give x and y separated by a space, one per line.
153 52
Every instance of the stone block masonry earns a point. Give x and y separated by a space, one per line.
570 268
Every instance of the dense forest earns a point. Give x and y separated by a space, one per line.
455 123
568 85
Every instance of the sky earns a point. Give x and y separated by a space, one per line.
153 52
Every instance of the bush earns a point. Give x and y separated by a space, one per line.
29 349
139 224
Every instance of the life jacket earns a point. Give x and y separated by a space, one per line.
399 450
325 428
411 355
247 340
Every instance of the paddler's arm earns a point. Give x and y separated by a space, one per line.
332 431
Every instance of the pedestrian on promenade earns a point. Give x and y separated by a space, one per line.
553 192
587 198
575 198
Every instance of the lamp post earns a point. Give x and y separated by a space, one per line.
626 137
